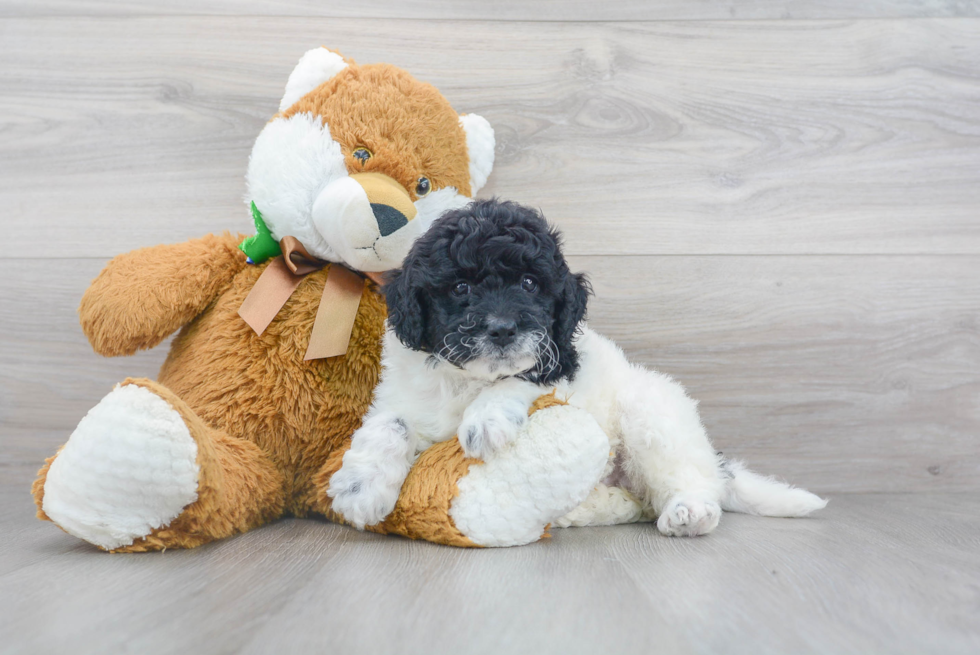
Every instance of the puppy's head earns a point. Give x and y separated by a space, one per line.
487 289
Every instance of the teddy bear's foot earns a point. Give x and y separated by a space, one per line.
604 506
546 472
129 467
143 472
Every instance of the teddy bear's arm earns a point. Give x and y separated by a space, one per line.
145 295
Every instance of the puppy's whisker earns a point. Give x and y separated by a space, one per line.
553 360
470 324
548 355
448 353
545 350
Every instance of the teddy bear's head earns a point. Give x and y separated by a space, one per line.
361 159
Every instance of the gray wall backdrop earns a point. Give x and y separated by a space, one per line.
778 202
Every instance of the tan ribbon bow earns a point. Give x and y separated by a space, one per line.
338 305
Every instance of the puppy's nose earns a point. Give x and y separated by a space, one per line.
501 330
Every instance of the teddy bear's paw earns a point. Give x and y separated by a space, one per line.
604 506
129 467
489 426
688 515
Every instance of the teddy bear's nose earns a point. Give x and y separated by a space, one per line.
392 206
389 219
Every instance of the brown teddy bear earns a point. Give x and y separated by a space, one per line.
280 340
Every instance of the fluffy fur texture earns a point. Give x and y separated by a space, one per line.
334 110
180 281
313 69
482 272
483 318
411 130
480 143
539 475
131 442
457 500
269 428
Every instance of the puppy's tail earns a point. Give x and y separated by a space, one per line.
751 493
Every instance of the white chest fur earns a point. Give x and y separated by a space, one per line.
430 396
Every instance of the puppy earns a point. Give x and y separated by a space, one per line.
483 318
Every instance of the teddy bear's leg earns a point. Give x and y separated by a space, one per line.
143 472
547 472
549 469
605 506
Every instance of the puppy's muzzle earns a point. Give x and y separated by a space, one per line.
501 331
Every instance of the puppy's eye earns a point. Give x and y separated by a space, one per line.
423 187
461 289
529 284
362 154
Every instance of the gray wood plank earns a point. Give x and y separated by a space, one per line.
50 375
432 587
716 143
769 137
840 583
842 373
871 573
839 373
508 10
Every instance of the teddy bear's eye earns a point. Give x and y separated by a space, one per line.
362 155
423 187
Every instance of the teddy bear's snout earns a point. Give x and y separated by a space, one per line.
390 203
368 219
389 219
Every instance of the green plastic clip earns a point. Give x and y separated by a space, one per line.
262 245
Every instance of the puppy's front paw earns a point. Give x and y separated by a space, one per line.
366 487
489 426
688 516
361 496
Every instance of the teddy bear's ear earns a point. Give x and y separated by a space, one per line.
479 144
314 68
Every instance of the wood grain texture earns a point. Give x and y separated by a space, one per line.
783 214
872 573
840 373
508 10
844 373
769 137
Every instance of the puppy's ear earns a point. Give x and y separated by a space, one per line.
406 315
569 312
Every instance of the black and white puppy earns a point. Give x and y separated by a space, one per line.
487 290
483 318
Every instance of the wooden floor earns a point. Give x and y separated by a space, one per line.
875 573
778 202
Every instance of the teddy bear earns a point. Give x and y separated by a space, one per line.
279 343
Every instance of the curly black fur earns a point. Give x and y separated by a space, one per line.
491 246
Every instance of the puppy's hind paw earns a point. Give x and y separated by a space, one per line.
488 427
688 516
